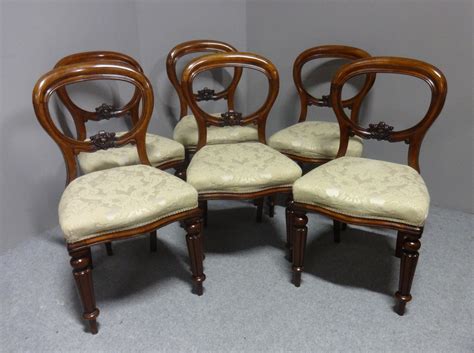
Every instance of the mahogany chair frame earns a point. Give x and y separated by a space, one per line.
307 99
205 94
408 239
233 118
80 251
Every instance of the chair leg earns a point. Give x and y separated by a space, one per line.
153 242
259 202
271 206
337 226
289 235
410 247
400 240
108 248
203 207
81 264
300 231
343 226
194 243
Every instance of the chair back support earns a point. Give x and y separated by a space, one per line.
104 111
230 118
205 94
329 51
413 136
88 71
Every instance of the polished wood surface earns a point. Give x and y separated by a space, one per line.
201 46
80 252
408 237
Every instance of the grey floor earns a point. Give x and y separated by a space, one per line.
344 304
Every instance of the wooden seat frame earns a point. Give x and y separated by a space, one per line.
80 252
408 237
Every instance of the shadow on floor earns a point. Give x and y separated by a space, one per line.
363 259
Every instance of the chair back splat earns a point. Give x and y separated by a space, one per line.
329 51
230 118
104 111
205 94
60 77
413 136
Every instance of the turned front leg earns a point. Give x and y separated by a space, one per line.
196 254
300 231
289 229
271 206
153 241
81 261
259 202
410 247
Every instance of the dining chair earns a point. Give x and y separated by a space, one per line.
163 153
370 192
186 130
116 203
243 170
316 142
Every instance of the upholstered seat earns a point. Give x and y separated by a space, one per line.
121 198
313 139
160 150
186 132
240 168
366 188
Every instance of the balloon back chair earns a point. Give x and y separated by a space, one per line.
371 192
186 131
317 142
244 170
163 153
116 203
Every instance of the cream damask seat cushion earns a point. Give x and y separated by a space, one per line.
160 150
366 188
186 132
121 198
240 168
313 139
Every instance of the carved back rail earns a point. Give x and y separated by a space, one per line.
230 118
62 76
329 51
104 111
205 94
414 135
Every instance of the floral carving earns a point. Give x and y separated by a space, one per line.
105 111
380 131
205 94
103 140
231 118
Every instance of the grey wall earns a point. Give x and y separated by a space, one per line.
35 34
437 31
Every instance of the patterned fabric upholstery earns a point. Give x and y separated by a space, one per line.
159 149
186 132
121 198
240 168
313 139
366 188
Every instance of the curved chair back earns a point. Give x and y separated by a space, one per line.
205 94
104 111
329 51
62 76
413 136
230 118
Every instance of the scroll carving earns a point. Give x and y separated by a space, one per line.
231 118
104 140
205 94
380 131
324 101
105 111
